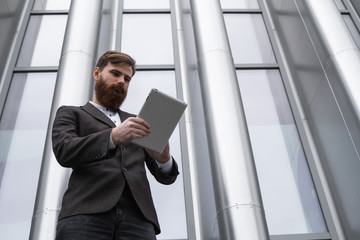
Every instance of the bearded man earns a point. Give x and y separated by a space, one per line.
108 195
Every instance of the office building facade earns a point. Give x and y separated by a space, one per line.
269 146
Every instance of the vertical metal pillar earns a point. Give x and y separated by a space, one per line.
73 87
189 158
116 18
237 194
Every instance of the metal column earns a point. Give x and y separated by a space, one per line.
116 19
74 86
237 194
189 157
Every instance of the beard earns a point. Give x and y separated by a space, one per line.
110 95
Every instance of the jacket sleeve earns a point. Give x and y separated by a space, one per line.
161 177
73 149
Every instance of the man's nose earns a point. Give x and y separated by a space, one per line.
120 80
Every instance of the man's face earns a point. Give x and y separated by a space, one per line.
112 84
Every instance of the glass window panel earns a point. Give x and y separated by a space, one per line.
239 4
52 5
248 38
147 38
23 129
340 4
352 28
288 193
169 200
146 4
43 41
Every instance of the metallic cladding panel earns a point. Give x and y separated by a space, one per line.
325 64
238 201
73 87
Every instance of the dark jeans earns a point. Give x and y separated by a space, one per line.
120 223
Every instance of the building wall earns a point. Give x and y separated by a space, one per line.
332 119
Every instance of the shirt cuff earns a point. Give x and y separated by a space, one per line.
165 167
111 143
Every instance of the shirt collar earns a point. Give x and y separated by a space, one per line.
103 109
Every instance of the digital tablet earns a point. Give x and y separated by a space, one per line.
163 113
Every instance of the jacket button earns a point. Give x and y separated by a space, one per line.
124 169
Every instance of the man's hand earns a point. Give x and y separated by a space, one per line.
130 129
161 157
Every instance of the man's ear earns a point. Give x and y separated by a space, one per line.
96 73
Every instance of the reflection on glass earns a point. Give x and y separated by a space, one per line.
147 38
52 5
352 28
248 38
239 4
340 4
22 137
146 4
288 193
43 41
169 200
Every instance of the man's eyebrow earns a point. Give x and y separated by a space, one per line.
115 70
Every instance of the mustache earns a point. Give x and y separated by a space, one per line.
116 87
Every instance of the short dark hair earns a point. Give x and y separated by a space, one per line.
115 58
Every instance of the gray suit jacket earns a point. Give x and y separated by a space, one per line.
81 141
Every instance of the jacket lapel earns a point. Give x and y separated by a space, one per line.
96 113
123 115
